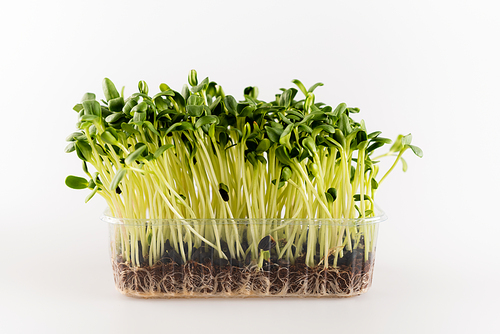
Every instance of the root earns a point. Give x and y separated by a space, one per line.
194 279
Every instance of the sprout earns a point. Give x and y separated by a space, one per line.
200 153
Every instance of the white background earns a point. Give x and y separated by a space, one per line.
426 67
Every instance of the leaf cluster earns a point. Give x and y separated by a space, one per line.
293 129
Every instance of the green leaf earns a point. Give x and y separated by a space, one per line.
161 103
309 144
129 105
118 178
374 134
381 140
162 149
357 197
293 112
301 86
285 135
109 89
88 97
141 107
78 107
374 184
251 91
100 150
284 118
305 128
115 117
313 87
164 87
405 165
193 78
109 138
135 155
194 111
418 152
139 117
83 150
231 104
287 97
215 103
180 127
76 182
209 119
263 145
92 108
286 173
274 133
151 128
323 127
185 92
344 125
143 87
164 93
397 146
280 184
246 111
129 128
333 193
116 104
85 168
89 118
313 168
406 140
261 159
282 155
75 136
70 147
179 100
195 100
374 146
337 139
201 86
341 108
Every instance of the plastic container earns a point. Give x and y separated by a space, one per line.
170 258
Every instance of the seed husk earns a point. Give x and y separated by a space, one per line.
248 259
175 256
222 262
223 193
267 243
196 256
236 263
167 246
166 259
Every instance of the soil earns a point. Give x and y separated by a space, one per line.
207 277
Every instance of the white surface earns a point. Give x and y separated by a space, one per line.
426 67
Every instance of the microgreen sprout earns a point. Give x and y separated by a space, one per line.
201 154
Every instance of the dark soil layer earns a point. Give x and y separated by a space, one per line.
280 279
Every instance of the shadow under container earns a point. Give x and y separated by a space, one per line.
185 258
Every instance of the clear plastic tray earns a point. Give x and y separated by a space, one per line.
172 258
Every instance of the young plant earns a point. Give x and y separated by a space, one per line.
201 154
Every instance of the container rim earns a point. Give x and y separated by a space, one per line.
378 218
